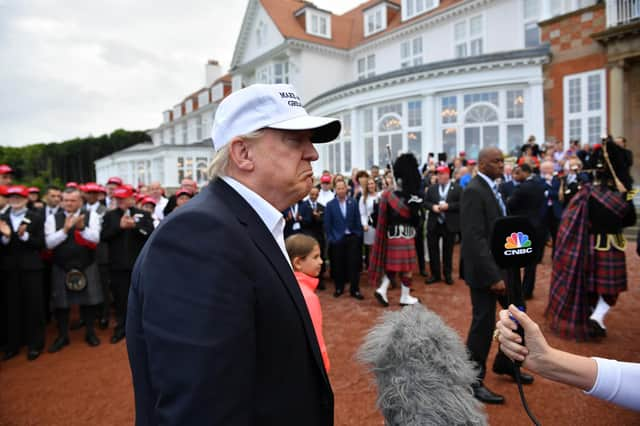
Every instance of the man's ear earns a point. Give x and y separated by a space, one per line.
241 155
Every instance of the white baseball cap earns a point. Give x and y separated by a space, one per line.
276 106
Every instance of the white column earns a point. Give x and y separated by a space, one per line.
357 142
535 112
430 140
616 97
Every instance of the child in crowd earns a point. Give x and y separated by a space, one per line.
304 252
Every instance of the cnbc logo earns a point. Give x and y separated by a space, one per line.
517 243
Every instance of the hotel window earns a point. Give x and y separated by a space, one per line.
198 128
184 134
177 111
414 124
281 72
468 37
201 170
531 9
203 98
584 106
217 92
173 135
367 130
411 52
411 8
188 106
472 121
318 24
158 170
375 20
366 67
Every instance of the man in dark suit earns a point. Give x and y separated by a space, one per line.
22 231
527 200
443 203
551 209
293 219
480 206
124 230
344 233
218 331
312 213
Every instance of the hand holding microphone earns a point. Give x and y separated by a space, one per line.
536 350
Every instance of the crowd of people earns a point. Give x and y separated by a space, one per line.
72 246
77 245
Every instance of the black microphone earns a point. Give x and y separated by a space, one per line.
423 370
514 245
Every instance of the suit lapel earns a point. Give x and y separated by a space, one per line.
489 193
263 238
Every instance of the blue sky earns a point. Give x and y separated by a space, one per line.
71 68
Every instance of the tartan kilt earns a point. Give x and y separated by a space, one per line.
608 274
400 255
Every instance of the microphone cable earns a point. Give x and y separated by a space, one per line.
516 371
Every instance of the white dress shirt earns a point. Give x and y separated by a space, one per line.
159 211
53 238
325 196
50 210
16 221
271 217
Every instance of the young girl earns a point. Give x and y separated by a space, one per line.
304 252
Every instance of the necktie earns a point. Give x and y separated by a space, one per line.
442 198
503 209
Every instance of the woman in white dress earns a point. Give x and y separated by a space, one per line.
368 216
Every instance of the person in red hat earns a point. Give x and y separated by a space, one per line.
6 173
326 194
443 203
125 230
73 185
91 193
148 204
183 196
4 204
22 268
112 184
73 234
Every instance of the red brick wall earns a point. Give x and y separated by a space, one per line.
572 51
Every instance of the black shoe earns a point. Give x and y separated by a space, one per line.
596 330
77 325
92 339
103 324
423 272
481 393
448 279
58 344
33 354
380 299
9 354
525 378
337 293
117 336
357 295
431 280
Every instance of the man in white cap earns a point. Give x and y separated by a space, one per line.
218 331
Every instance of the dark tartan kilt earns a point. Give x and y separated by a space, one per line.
609 272
400 255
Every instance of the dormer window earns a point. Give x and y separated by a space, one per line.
375 20
412 8
260 33
318 23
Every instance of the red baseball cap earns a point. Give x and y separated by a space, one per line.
72 185
33 190
325 179
3 190
462 153
5 169
443 169
114 180
20 190
92 187
148 200
122 193
184 192
471 162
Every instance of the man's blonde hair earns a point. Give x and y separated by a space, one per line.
220 163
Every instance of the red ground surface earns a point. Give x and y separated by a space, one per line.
92 386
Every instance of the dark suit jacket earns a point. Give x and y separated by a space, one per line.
125 244
24 255
218 331
553 191
452 215
527 200
288 225
311 224
335 224
507 188
478 211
